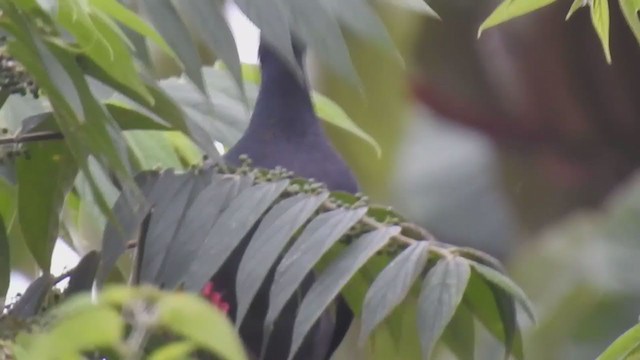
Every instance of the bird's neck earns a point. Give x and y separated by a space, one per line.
284 101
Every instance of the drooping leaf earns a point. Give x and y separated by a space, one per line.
271 237
419 6
201 323
333 278
315 240
230 228
490 306
600 20
459 336
321 31
43 182
208 18
510 9
630 10
507 285
30 302
392 286
441 294
623 346
166 19
128 18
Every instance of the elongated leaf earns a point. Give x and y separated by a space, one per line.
127 220
168 206
201 323
5 265
366 24
419 6
321 31
229 230
166 19
273 234
392 286
333 278
577 4
318 237
83 274
491 307
173 351
510 9
441 294
30 302
507 285
202 214
330 112
128 18
630 10
459 336
208 18
43 182
622 346
600 20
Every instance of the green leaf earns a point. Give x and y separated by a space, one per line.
99 39
318 28
166 19
271 237
600 20
577 4
622 346
208 18
392 285
419 6
459 336
197 321
77 332
173 351
43 182
335 115
510 9
316 239
230 228
496 311
128 18
333 278
5 265
507 285
630 10
441 293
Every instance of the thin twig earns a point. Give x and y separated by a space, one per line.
32 137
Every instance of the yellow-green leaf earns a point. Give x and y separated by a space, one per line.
630 10
600 20
511 9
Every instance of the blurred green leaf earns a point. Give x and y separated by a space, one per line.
201 323
419 6
600 20
98 326
128 18
623 346
630 10
459 336
333 114
166 19
43 182
173 351
441 293
510 9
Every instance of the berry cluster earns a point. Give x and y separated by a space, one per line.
13 77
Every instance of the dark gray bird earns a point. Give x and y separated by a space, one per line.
284 131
